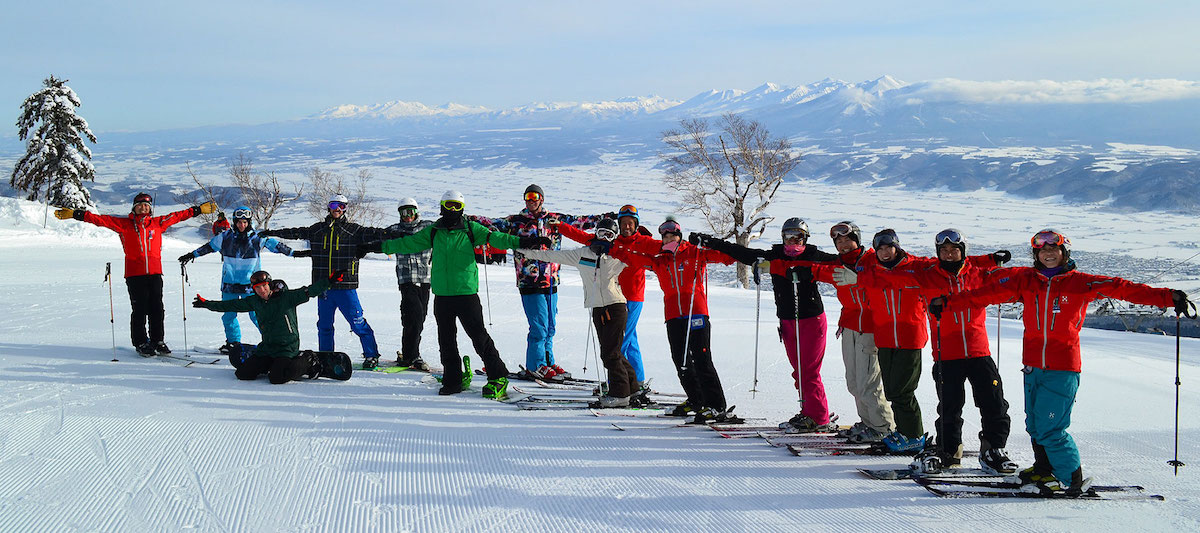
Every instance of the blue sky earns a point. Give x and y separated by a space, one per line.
154 65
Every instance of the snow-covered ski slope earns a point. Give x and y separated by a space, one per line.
146 445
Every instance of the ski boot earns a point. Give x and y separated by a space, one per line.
229 347
681 410
160 348
146 350
995 460
370 363
467 375
640 399
560 373
868 435
496 389
727 417
705 415
610 402
852 430
897 443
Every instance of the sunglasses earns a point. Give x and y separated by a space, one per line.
337 206
606 234
670 226
532 196
1053 238
452 205
951 236
241 213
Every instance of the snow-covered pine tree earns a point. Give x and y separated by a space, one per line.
56 160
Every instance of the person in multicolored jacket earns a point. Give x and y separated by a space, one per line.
334 244
141 238
412 274
538 280
1055 297
240 248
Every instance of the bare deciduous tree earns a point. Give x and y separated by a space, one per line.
207 192
260 190
361 207
730 180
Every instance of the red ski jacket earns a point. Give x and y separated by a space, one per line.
632 280
141 237
897 312
856 315
1054 308
963 332
681 274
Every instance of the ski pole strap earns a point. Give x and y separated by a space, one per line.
1190 310
107 272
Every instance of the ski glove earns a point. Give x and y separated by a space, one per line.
1181 302
206 208
534 243
936 306
366 248
843 276
337 276
199 302
301 253
64 213
1001 257
186 258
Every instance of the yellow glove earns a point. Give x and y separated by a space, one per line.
208 208
64 213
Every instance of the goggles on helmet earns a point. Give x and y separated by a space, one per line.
408 211
606 234
628 211
1044 237
260 278
948 236
884 239
241 213
839 230
337 206
670 226
533 196
794 236
452 205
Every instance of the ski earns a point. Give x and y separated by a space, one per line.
189 360
1111 492
888 474
1012 485
782 440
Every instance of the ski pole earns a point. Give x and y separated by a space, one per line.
112 320
587 347
999 313
487 290
757 317
183 301
687 333
938 377
799 362
1178 316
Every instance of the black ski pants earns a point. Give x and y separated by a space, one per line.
696 372
414 306
988 392
146 301
278 369
610 329
466 309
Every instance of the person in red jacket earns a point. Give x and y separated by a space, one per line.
856 330
960 354
141 238
681 271
631 280
1055 297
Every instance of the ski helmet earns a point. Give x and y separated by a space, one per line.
534 188
259 278
1052 238
629 210
952 236
607 229
143 198
846 227
278 285
454 196
242 213
338 201
793 226
886 237
670 226
408 202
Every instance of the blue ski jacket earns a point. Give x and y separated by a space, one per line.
240 257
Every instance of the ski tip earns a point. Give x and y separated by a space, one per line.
619 428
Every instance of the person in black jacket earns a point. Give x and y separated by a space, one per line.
334 244
801 313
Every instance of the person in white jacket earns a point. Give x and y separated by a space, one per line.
602 294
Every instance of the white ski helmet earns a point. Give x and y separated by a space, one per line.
339 198
453 196
408 202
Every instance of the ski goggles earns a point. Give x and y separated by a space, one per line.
885 239
337 206
452 205
951 236
670 226
533 196
628 211
1051 237
794 236
839 230
606 234
408 211
241 213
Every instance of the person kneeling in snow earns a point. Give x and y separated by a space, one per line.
278 355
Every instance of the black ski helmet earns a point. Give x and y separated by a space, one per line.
533 187
886 237
846 227
260 277
952 236
795 225
143 198
278 285
607 224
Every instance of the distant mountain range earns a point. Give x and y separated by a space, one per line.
1131 144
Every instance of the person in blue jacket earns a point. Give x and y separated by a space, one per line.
240 248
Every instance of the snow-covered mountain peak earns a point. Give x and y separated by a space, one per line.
398 109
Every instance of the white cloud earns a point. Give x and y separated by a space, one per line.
1053 92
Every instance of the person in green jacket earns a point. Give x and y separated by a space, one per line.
455 279
278 355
